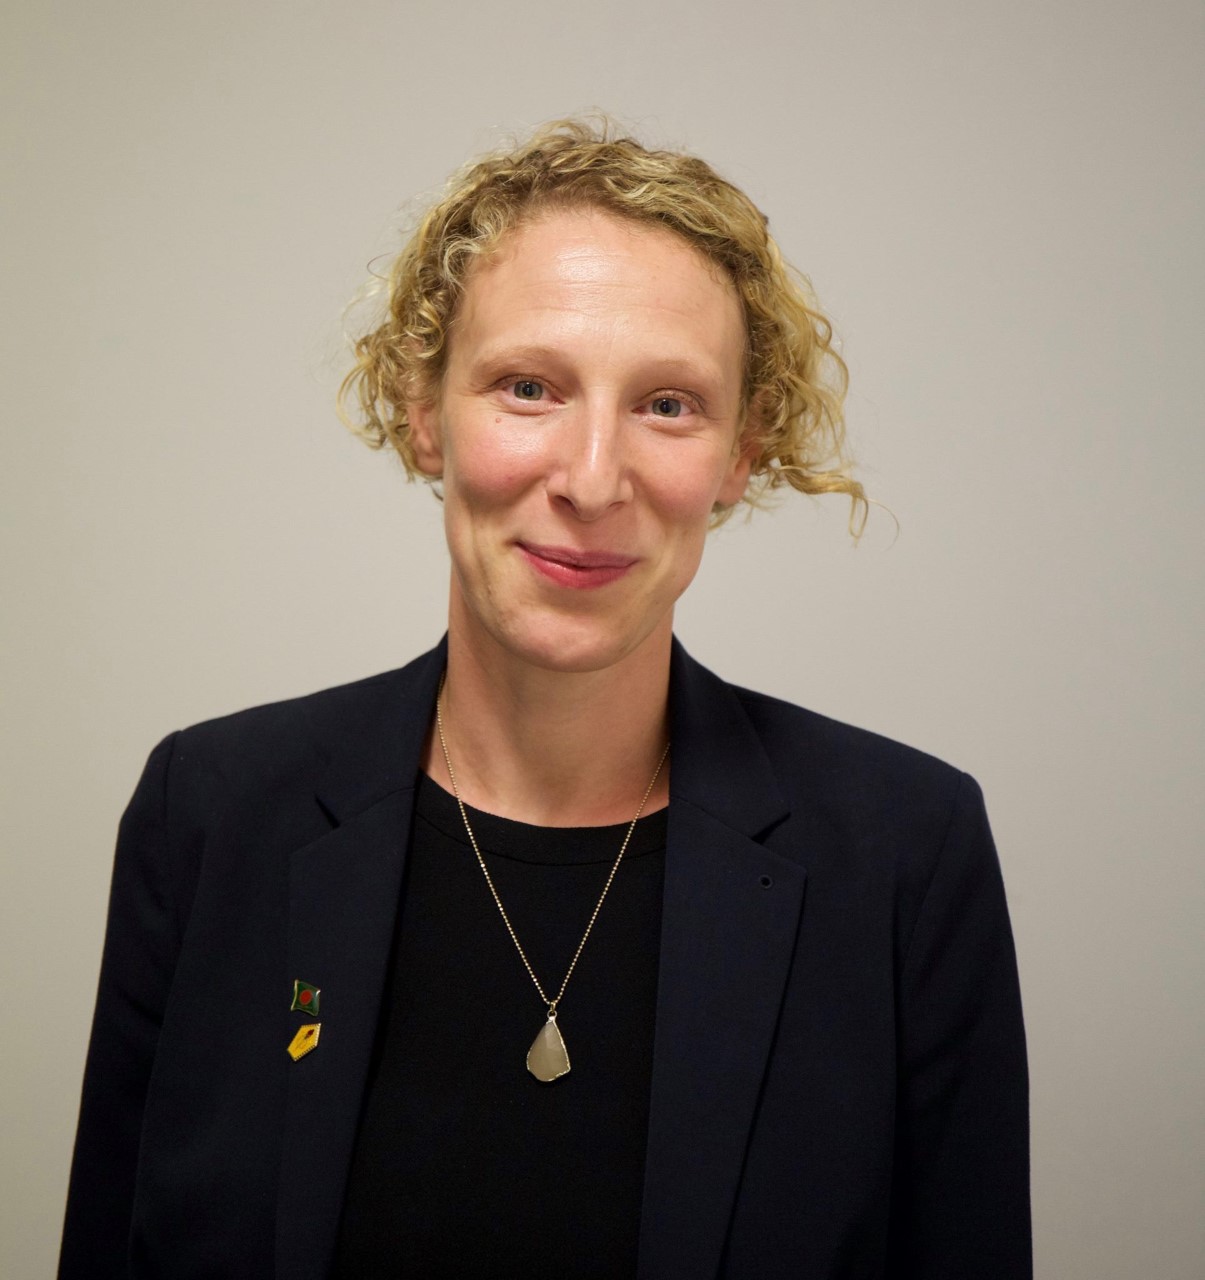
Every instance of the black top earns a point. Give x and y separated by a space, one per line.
465 1164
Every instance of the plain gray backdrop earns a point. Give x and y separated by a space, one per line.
1000 205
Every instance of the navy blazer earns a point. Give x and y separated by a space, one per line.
839 1082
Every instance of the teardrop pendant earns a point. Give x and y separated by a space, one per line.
548 1059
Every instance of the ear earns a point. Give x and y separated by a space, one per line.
426 435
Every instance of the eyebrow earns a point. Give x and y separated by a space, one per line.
668 368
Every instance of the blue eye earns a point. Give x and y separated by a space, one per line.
527 389
666 407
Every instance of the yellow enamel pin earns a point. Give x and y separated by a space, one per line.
305 1041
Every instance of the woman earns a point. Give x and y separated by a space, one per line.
552 950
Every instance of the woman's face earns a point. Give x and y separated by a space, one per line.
587 423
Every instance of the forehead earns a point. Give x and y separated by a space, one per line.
583 276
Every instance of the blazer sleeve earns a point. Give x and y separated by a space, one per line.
141 944
960 1203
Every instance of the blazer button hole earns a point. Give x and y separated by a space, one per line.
766 882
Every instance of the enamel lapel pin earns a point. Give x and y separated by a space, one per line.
305 1000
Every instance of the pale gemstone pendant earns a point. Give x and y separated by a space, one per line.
548 1059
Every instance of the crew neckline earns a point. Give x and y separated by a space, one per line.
523 842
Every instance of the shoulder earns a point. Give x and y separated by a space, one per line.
350 741
283 734
886 832
266 754
864 804
348 725
836 745
821 755
235 791
831 777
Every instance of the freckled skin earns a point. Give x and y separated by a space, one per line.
591 402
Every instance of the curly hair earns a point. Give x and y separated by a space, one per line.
794 379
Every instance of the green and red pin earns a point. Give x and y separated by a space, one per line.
305 997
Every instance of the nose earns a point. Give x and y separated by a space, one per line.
590 473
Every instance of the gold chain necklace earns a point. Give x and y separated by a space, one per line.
547 1059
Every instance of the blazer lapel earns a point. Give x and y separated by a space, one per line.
730 920
343 897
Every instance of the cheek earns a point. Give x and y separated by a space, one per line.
683 501
686 490
490 469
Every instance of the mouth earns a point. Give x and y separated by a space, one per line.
569 567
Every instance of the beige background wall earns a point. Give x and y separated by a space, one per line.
1002 206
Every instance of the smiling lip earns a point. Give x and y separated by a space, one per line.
571 568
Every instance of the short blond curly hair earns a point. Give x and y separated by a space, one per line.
794 379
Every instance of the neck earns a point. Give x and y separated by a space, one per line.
554 748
